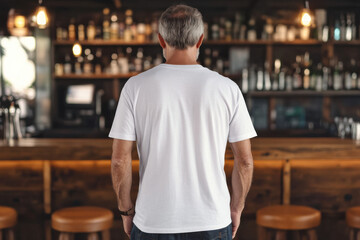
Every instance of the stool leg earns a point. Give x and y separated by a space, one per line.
105 235
93 236
280 235
311 233
10 234
262 233
65 236
357 234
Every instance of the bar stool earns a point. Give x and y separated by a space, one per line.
90 220
353 221
277 220
8 219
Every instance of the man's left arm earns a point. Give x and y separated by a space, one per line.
121 173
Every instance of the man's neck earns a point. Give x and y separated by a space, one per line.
182 57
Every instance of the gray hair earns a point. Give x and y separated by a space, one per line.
181 26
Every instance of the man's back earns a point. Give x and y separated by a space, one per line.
183 116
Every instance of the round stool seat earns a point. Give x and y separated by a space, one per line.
353 217
82 219
8 217
288 217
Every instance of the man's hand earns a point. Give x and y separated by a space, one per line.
127 223
235 218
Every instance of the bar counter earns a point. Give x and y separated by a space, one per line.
39 176
100 149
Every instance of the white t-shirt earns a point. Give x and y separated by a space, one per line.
181 117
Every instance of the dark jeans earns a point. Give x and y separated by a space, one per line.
223 234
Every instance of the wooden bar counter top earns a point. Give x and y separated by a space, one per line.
100 149
39 176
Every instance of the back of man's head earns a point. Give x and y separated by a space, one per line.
181 26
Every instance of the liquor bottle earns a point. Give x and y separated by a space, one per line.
342 28
78 63
282 79
325 78
297 78
338 76
98 61
260 80
319 77
268 30
353 26
337 30
245 80
215 34
228 28
354 74
349 28
267 80
123 62
91 30
114 66
130 58
114 27
128 23
276 76
252 78
306 72
106 24
67 64
207 58
72 32
236 26
251 33
81 32
88 65
139 60
140 36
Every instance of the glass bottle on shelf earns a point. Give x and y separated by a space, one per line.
81 32
260 79
106 24
267 80
215 31
98 61
236 26
141 32
78 63
337 30
228 28
129 51
148 32
251 33
319 77
276 76
342 28
72 31
114 27
349 28
91 30
128 23
67 64
353 73
307 71
114 66
297 78
338 76
207 58
123 62
88 65
139 60
158 60
222 28
154 29
245 80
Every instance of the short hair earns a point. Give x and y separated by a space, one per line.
181 26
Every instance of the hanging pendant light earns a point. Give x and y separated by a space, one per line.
41 16
306 17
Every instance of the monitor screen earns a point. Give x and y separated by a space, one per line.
80 94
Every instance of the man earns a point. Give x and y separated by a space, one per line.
181 116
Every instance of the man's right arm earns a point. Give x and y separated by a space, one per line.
240 180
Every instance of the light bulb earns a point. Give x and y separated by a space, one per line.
306 19
20 21
77 49
42 19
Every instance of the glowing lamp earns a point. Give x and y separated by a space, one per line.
77 49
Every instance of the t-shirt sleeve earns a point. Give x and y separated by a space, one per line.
241 126
123 126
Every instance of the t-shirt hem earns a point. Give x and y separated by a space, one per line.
122 136
180 230
242 137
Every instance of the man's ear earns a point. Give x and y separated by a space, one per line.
198 44
161 41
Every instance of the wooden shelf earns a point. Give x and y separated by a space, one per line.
349 43
100 42
95 76
297 93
